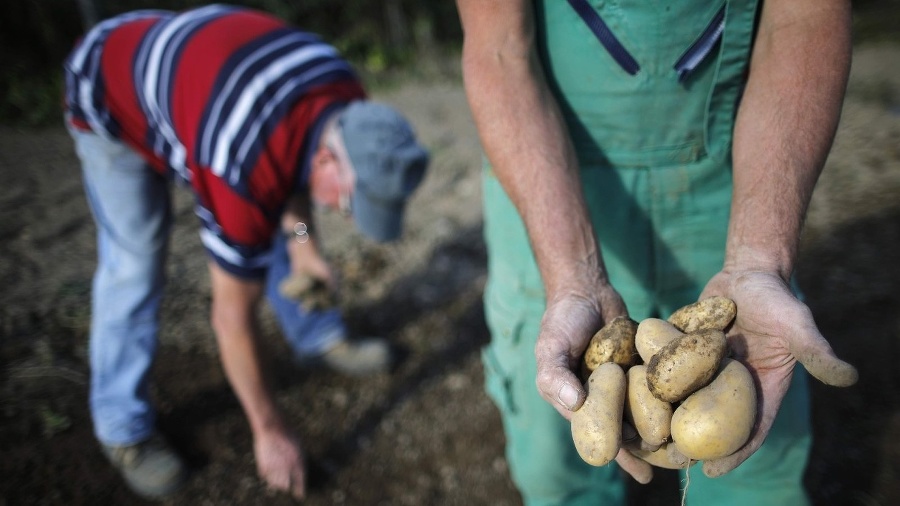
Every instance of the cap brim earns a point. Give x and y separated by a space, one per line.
379 220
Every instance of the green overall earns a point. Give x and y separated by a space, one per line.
655 156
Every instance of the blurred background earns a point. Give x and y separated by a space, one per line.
426 433
380 37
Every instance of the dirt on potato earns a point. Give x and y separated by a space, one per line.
713 313
685 364
612 343
425 434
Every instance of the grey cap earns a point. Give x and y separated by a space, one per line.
389 165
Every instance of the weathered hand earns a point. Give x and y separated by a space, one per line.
279 462
566 329
567 326
772 331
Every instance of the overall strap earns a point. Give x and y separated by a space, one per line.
701 47
689 60
605 36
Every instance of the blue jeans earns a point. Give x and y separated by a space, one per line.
308 333
130 203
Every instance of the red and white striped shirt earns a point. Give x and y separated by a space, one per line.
226 99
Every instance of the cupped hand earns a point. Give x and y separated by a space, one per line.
567 326
772 331
279 462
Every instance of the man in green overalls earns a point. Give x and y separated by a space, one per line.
642 155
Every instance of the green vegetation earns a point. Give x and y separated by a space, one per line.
381 38
386 40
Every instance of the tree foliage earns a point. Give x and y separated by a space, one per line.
377 36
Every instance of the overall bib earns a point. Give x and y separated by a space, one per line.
654 146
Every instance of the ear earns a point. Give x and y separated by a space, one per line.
321 157
323 175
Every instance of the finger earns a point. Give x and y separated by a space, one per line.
819 359
629 433
278 483
633 441
555 381
812 350
561 389
717 467
641 471
298 484
640 444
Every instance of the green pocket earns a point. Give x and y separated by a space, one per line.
513 319
498 383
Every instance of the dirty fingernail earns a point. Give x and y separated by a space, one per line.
568 396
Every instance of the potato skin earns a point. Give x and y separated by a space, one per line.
685 365
652 335
597 425
613 343
716 420
713 313
650 416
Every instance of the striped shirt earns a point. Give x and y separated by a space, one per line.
228 100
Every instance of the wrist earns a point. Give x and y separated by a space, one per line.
576 267
592 287
267 422
747 258
299 231
584 286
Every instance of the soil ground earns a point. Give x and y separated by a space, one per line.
425 433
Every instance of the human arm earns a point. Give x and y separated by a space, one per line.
785 126
524 137
305 256
279 458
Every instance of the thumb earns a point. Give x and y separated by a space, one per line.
823 364
561 389
555 380
809 347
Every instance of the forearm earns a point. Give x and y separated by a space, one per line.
785 127
233 320
526 141
302 247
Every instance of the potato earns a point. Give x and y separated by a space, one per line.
613 343
652 334
650 416
685 365
716 420
597 425
713 313
667 457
